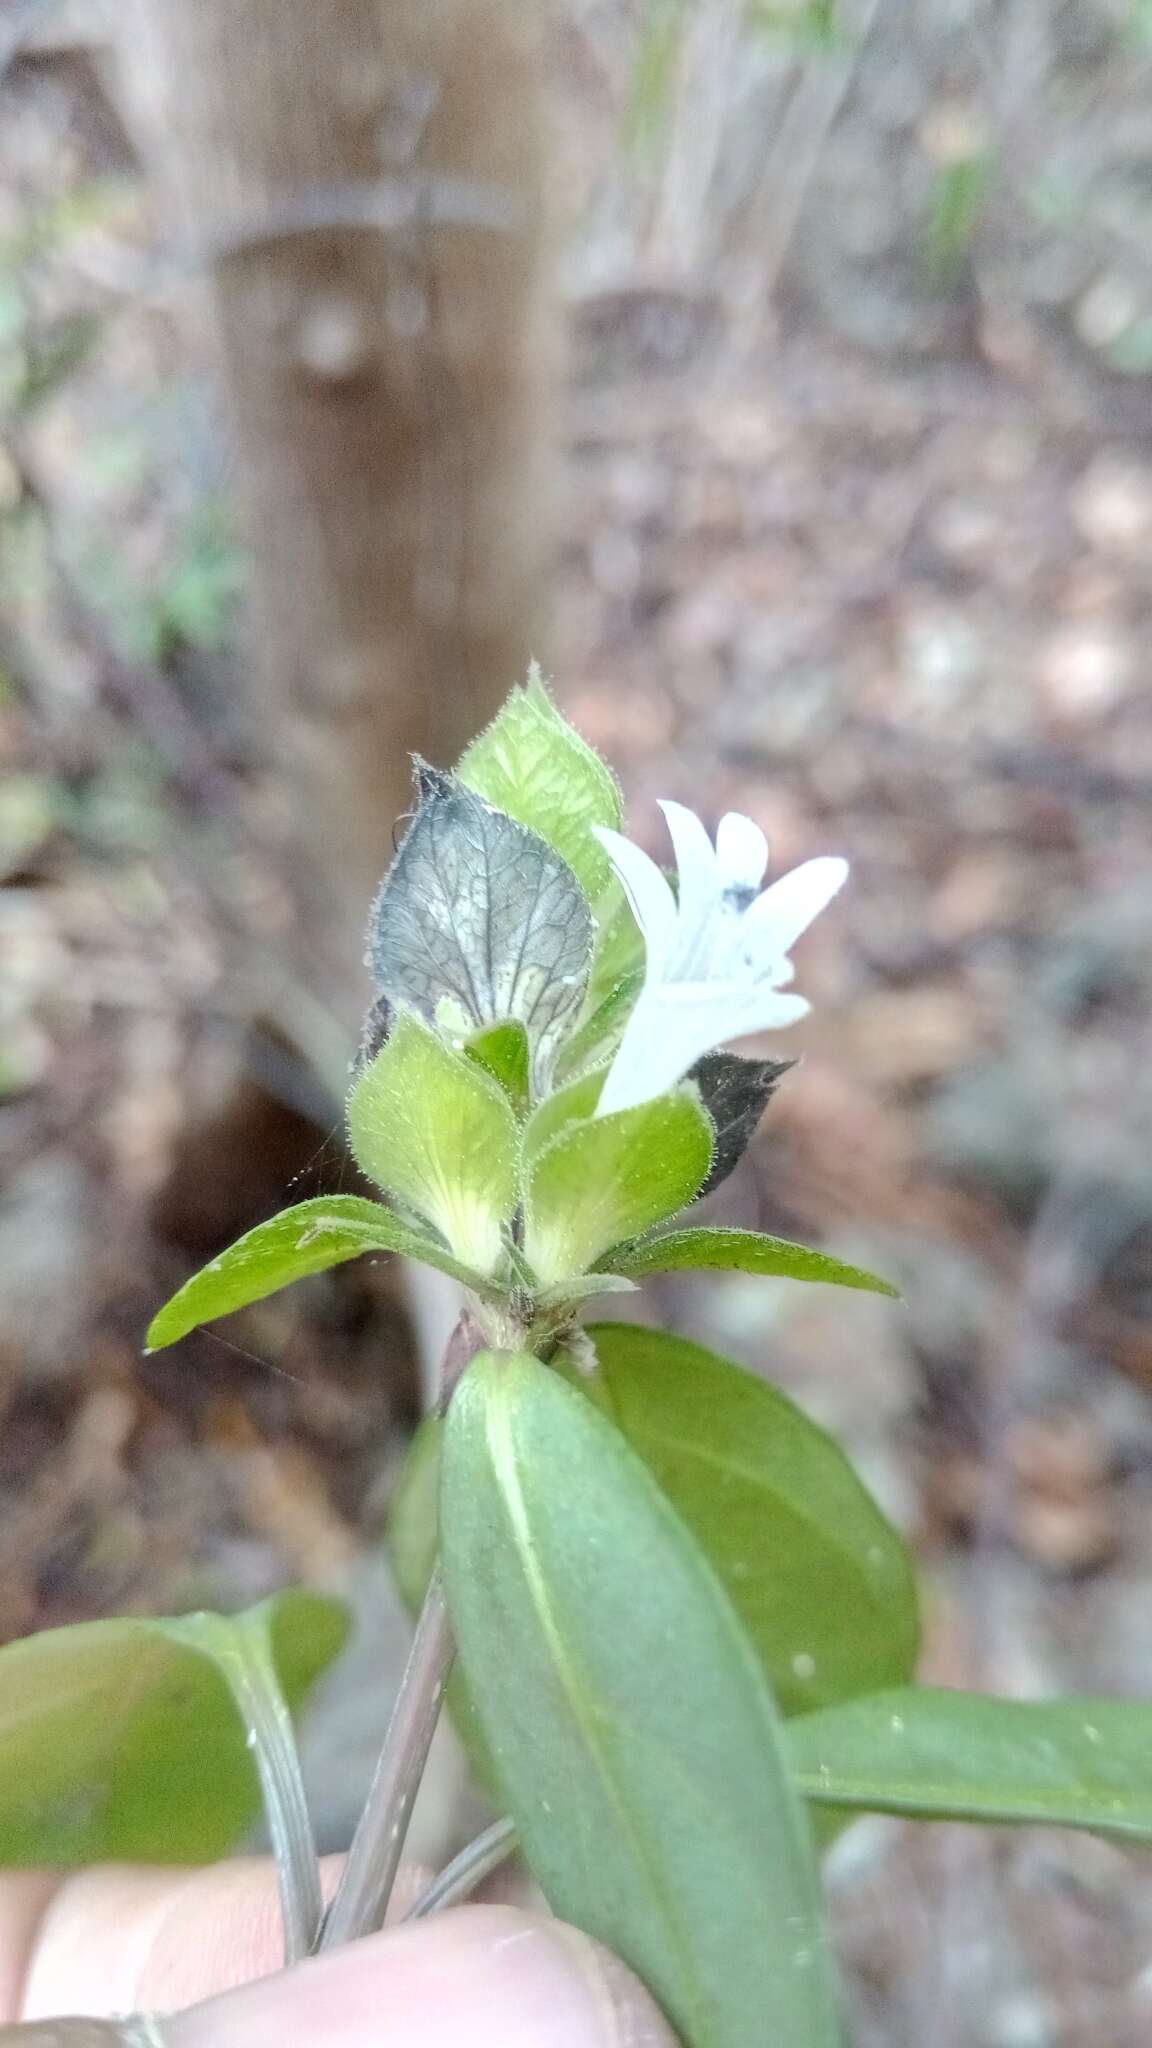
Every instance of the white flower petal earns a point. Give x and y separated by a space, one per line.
762 1009
777 918
700 889
715 970
729 1009
674 1026
652 901
649 1059
742 852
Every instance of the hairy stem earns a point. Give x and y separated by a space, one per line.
461 1877
370 1872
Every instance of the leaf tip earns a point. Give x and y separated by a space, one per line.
886 1287
535 686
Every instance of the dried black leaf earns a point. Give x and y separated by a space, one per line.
479 921
735 1092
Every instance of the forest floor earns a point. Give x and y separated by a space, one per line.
890 610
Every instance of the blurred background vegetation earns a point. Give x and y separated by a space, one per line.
779 372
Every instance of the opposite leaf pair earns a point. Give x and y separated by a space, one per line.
527 1202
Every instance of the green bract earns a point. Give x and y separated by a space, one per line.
532 764
502 1050
615 979
562 1110
601 1180
436 1130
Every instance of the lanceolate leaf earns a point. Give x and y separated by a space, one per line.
532 764
632 1733
612 1178
479 922
936 1755
120 1740
307 1239
821 1581
436 1130
744 1251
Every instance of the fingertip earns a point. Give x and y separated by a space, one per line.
490 1975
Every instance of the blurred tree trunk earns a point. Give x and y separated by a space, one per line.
363 184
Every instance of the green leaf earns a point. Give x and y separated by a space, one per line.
582 1287
615 979
744 1251
502 1051
120 1740
630 1727
1072 1763
532 764
434 1129
821 1581
598 1182
619 951
306 1239
479 921
559 1111
596 1035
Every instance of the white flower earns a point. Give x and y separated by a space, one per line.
716 956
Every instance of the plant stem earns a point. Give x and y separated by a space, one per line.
365 1888
467 1870
369 1874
